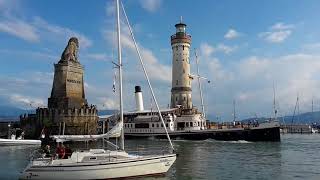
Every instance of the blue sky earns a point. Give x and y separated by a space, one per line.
244 47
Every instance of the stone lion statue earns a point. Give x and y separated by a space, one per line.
70 53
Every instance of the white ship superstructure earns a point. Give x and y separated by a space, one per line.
143 121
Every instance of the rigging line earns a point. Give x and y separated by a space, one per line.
146 75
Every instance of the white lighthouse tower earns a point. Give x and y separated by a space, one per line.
181 79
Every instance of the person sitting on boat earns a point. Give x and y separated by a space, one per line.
60 151
68 152
13 136
21 135
46 151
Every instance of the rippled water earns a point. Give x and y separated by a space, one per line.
295 157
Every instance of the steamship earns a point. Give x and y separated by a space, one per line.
183 120
188 124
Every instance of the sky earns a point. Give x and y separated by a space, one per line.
245 49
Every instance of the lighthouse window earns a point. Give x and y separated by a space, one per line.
184 98
152 125
176 59
182 59
182 47
183 71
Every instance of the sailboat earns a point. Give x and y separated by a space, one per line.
101 163
13 140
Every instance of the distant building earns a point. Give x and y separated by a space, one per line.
68 111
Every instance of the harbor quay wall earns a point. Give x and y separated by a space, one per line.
55 121
296 128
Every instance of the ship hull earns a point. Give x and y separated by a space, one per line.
234 134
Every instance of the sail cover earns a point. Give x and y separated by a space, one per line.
114 132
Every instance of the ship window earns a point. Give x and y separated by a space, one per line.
182 59
184 98
152 125
177 82
176 59
93 158
166 124
176 47
191 124
182 47
161 125
157 125
187 124
183 71
198 123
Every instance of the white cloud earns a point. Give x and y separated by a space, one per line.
110 8
26 101
208 50
278 33
97 56
225 49
26 88
60 32
19 29
157 71
151 5
313 47
32 54
231 34
250 82
282 26
36 29
109 103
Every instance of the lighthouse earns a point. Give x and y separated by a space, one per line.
181 79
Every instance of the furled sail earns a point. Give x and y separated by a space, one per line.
114 132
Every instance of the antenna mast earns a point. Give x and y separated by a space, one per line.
199 82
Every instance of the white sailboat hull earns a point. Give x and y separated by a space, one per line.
16 142
130 167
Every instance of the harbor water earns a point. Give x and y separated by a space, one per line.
295 157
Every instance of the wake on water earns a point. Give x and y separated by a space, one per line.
234 142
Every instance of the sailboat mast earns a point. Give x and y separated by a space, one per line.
199 83
120 74
274 102
234 110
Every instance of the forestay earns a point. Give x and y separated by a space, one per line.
114 132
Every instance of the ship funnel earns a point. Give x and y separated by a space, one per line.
139 100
